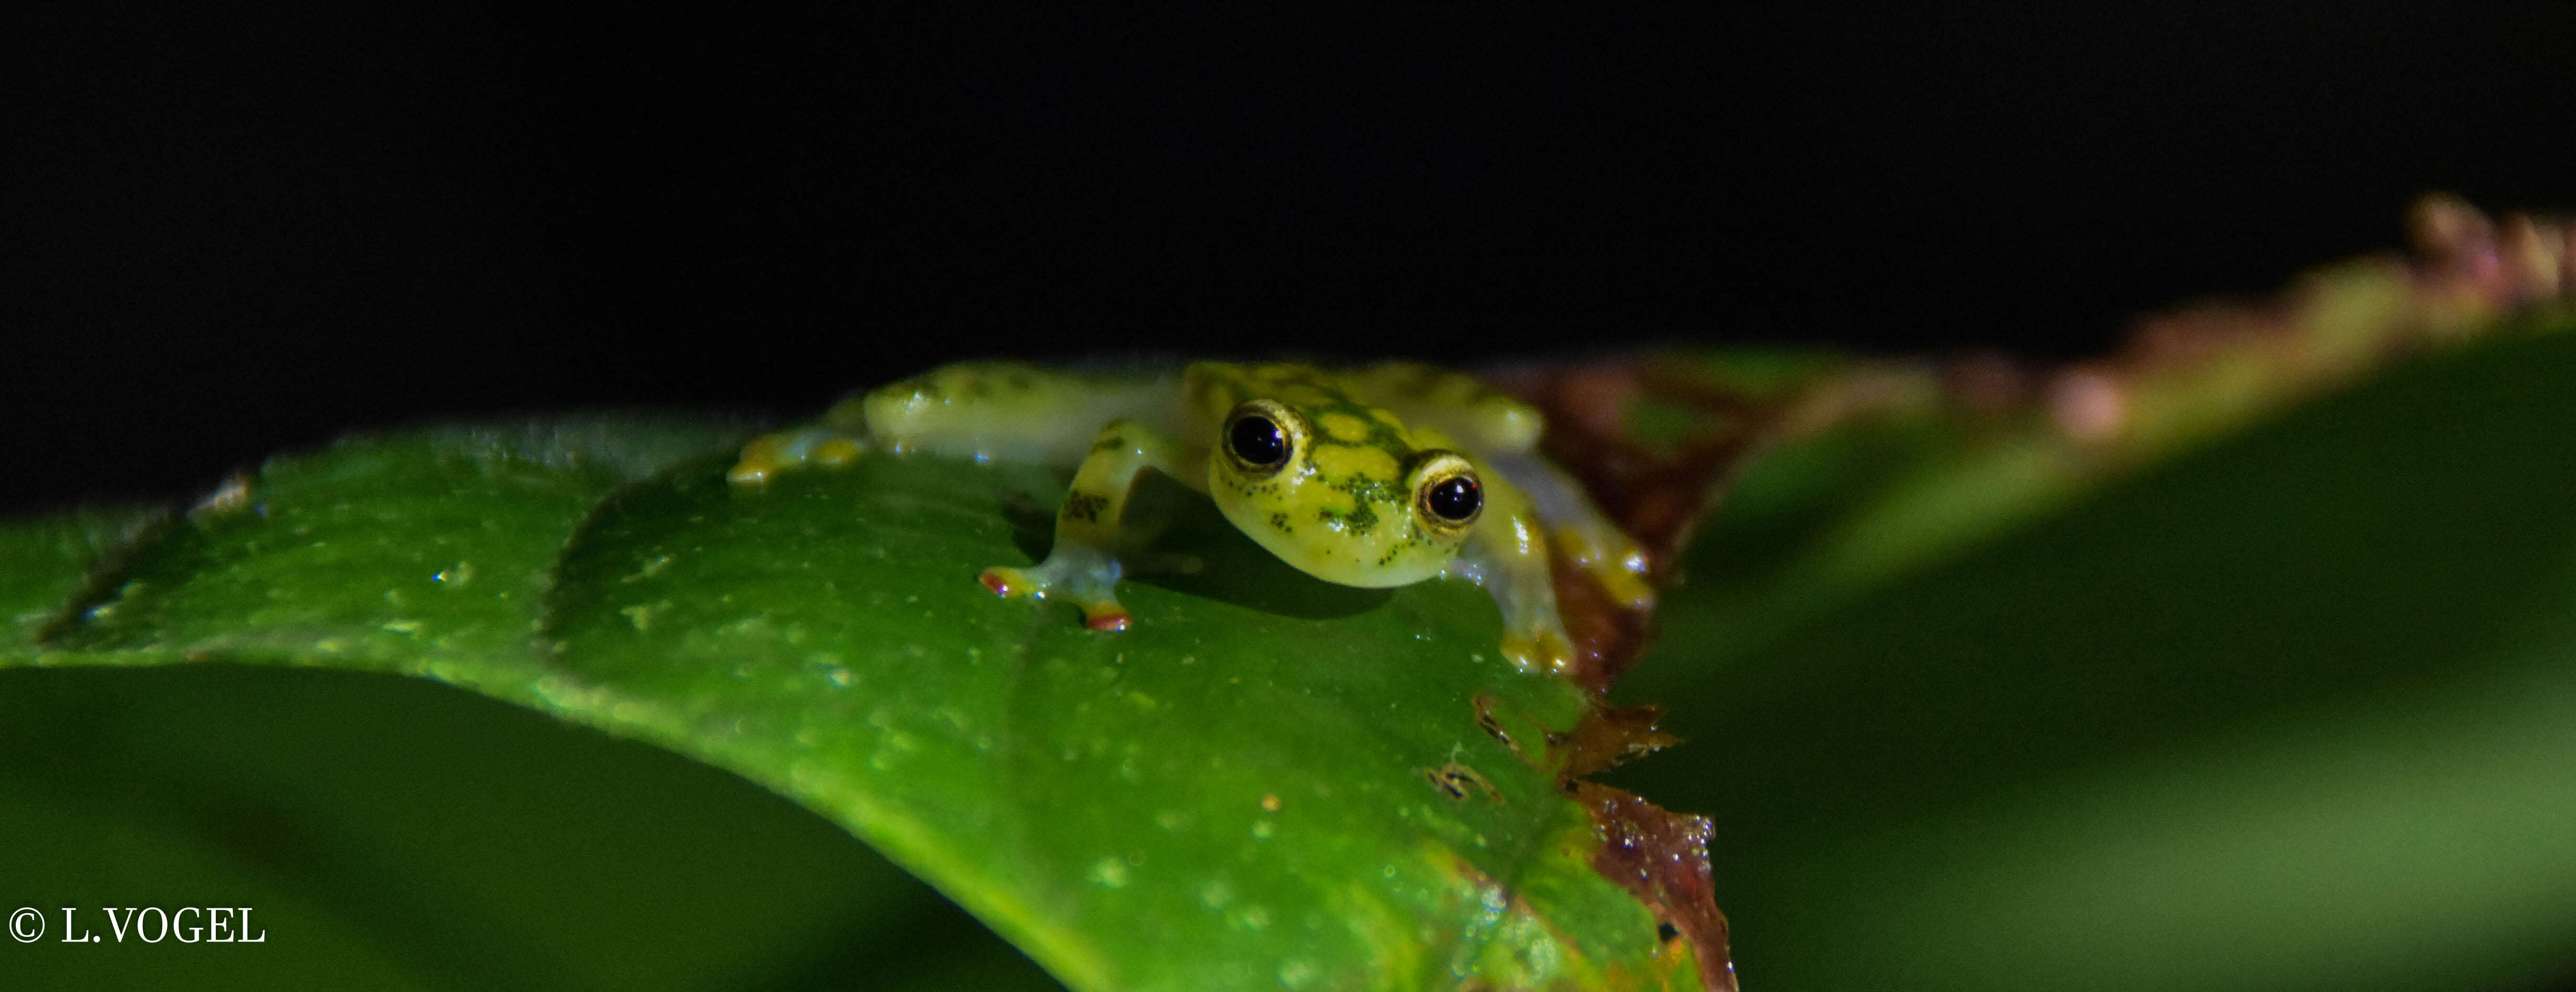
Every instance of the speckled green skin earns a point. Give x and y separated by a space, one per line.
1347 505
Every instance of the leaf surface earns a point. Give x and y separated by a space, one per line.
1268 780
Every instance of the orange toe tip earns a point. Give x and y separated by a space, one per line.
1106 621
993 579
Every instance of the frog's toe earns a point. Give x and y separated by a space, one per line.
770 454
837 452
1104 616
1539 651
1613 561
1008 582
1627 587
761 460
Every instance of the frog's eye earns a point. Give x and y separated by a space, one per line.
1261 436
1457 499
1447 491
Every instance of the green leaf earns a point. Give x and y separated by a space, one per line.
2291 711
48 558
395 833
1243 774
1246 788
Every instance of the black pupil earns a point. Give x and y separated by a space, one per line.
1455 498
1257 441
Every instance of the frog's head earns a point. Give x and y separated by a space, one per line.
1341 490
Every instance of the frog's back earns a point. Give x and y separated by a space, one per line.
1480 418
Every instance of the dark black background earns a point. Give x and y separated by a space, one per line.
229 232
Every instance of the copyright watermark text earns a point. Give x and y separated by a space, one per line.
146 924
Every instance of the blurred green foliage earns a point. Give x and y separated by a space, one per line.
2293 711
397 833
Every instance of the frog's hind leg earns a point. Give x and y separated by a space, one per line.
1579 530
1083 567
838 440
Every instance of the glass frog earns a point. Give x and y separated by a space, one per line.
1379 476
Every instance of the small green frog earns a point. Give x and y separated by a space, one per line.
1379 476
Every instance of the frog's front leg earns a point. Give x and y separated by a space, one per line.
1083 566
1508 555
